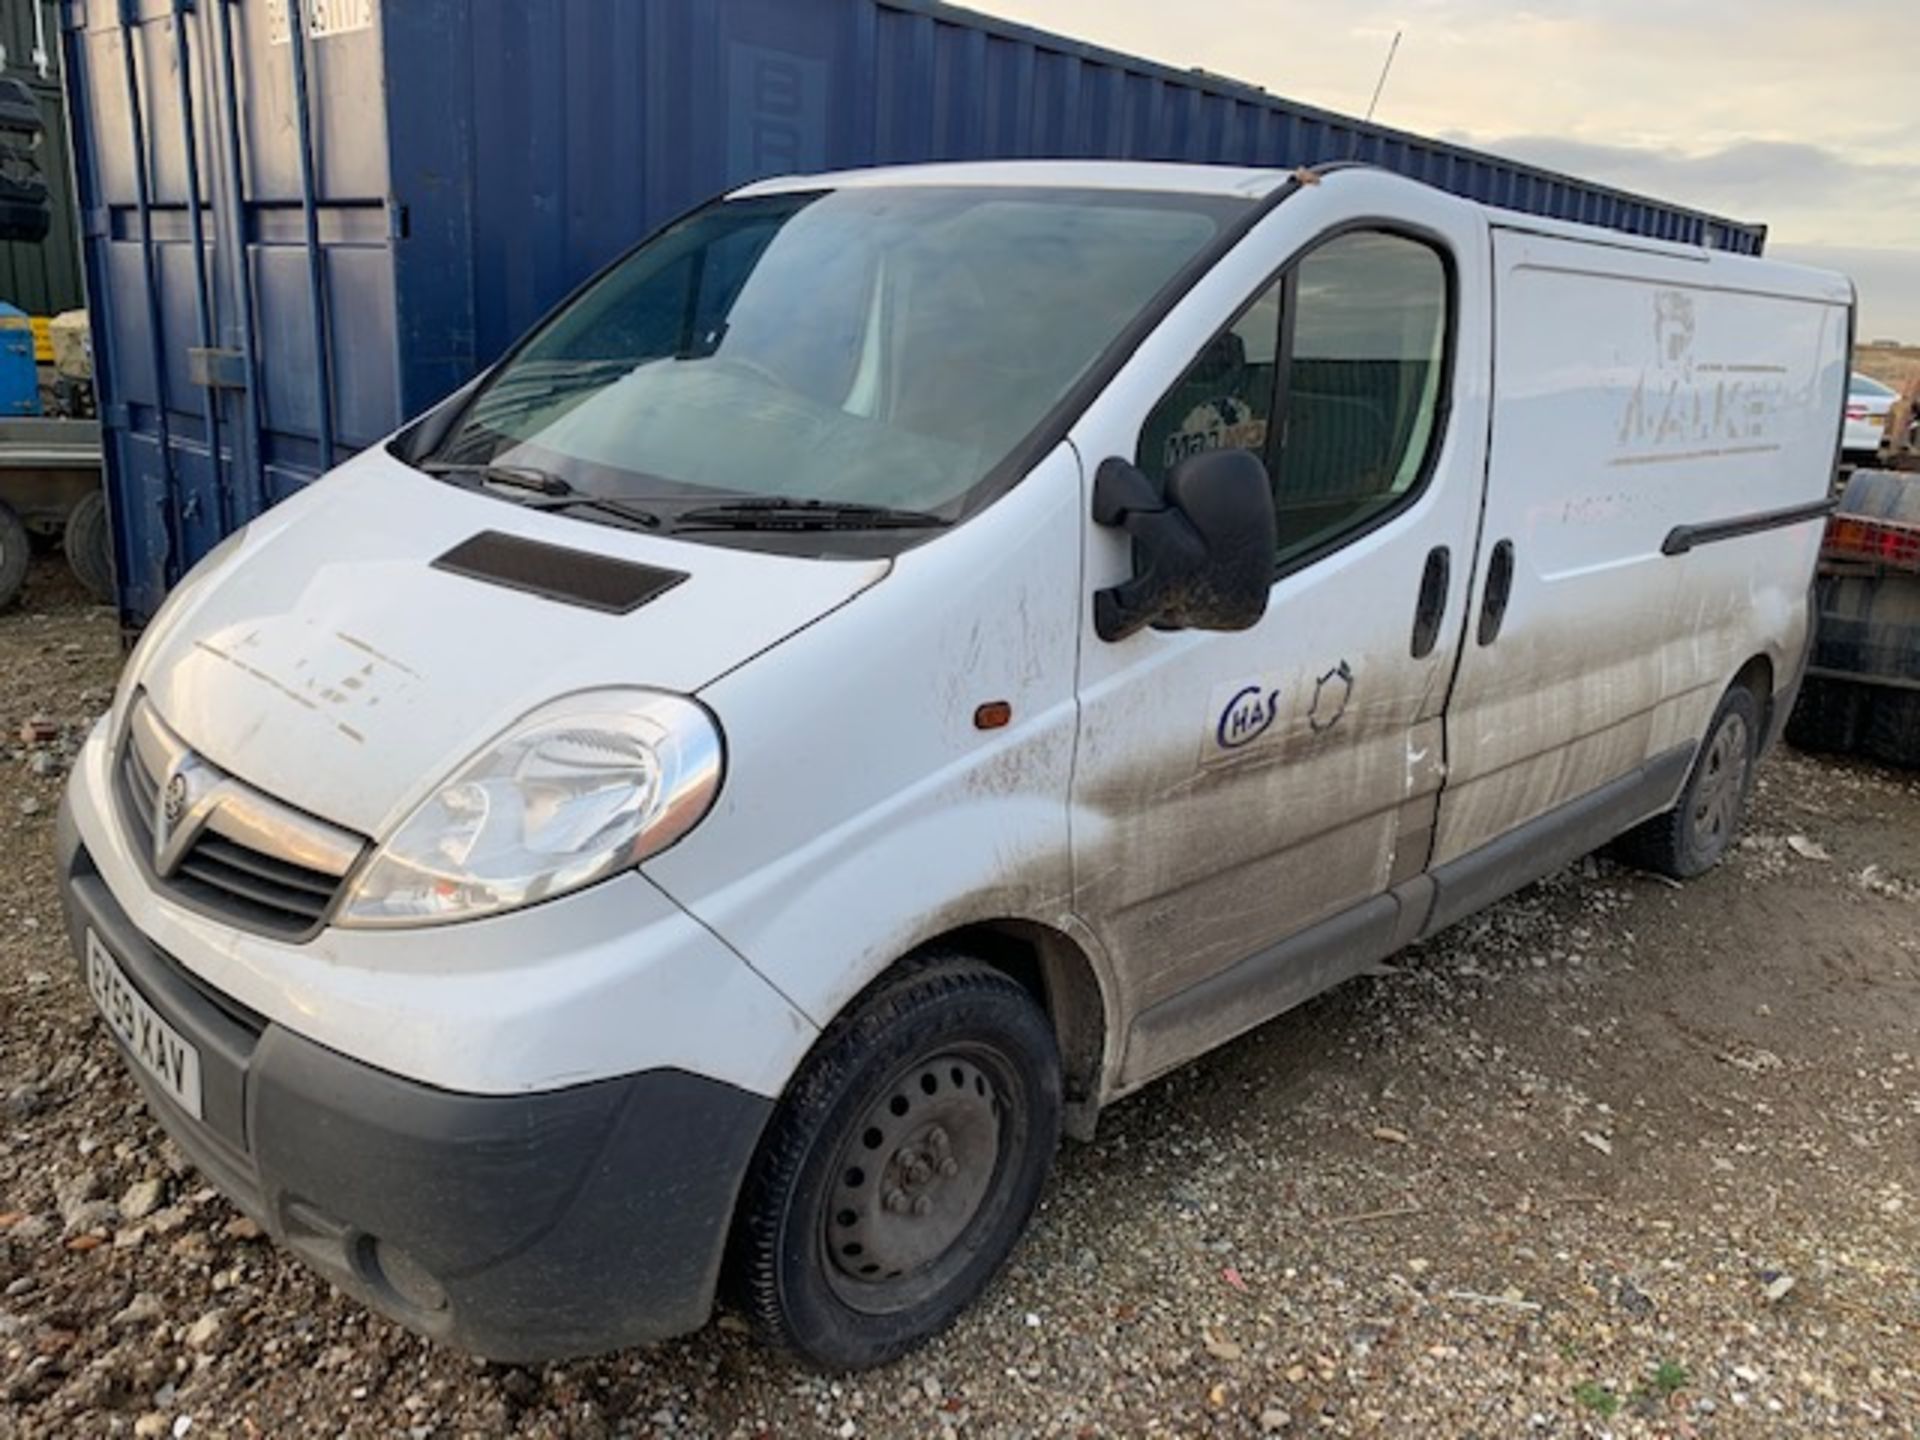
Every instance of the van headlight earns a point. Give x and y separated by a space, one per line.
582 788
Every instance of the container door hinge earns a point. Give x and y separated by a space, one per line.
96 222
73 15
398 221
117 416
216 369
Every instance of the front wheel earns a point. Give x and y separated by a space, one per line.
1691 838
901 1167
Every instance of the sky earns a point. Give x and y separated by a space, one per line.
1802 116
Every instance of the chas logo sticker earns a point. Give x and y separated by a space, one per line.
1248 714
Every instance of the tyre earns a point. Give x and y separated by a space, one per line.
1827 717
901 1166
89 545
1893 727
1690 838
15 551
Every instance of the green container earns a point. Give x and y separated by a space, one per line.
44 278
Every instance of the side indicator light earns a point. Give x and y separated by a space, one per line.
994 715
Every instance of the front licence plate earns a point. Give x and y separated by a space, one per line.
154 1045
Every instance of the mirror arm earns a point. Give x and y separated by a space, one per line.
1166 549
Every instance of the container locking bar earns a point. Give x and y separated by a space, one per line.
215 368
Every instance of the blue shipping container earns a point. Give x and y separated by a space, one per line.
305 220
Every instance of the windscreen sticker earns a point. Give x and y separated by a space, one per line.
1227 423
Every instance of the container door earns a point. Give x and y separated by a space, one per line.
223 275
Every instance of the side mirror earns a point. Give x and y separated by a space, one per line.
1202 552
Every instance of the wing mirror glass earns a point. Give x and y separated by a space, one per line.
1202 549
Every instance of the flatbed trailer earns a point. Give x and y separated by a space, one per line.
50 489
1862 691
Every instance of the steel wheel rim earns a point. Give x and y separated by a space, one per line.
915 1177
1723 784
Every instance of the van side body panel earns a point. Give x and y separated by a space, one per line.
1637 392
1651 568
863 812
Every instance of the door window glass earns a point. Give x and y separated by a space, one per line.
1332 375
1362 384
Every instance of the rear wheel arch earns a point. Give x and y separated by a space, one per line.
1703 824
1756 677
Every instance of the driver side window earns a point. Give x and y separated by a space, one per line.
1335 376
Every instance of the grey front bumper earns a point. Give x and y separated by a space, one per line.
525 1227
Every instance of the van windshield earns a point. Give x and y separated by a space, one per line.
857 351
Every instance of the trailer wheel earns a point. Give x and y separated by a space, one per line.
15 551
1826 719
89 545
1691 838
1893 728
901 1166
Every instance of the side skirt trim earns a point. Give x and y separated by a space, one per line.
1280 977
1557 838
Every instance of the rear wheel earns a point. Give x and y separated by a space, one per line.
901 1167
15 551
89 545
1692 837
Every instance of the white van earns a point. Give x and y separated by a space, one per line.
897 662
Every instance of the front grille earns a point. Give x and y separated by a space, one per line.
221 873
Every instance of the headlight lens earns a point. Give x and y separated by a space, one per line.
581 788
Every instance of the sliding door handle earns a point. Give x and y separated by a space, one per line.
1431 608
1493 605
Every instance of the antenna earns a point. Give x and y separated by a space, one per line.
1381 83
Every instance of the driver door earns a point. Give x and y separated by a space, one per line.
1243 802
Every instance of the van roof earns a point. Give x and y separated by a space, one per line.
1050 174
1257 184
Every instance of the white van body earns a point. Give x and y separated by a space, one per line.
1172 837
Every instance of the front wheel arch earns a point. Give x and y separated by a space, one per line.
925 1014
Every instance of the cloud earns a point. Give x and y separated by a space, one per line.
1888 281
1798 116
1807 192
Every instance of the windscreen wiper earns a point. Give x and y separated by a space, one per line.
777 512
511 477
543 490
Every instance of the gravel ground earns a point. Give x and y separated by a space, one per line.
1615 1158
